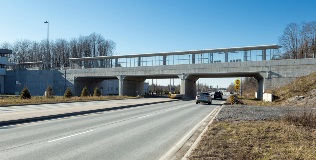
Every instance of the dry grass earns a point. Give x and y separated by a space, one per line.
299 87
306 119
255 102
256 140
293 137
13 100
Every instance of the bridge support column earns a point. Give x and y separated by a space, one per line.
260 89
121 84
131 86
188 86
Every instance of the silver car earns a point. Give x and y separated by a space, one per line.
203 97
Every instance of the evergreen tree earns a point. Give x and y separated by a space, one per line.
49 92
25 94
68 93
97 92
84 92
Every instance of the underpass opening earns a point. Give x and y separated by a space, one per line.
203 82
103 83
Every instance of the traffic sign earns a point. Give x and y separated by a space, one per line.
237 81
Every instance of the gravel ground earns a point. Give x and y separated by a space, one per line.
257 113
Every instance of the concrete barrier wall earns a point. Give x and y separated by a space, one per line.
36 81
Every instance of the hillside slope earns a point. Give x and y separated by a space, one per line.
301 92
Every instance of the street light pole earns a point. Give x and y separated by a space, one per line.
47 57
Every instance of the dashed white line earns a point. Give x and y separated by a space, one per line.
70 136
145 116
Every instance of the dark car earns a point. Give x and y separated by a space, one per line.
218 95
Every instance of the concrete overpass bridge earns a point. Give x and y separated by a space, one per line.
133 70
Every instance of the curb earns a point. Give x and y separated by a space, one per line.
63 115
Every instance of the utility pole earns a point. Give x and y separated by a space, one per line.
48 53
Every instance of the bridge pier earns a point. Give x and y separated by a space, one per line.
131 86
260 89
188 86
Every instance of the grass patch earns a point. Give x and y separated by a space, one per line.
14 100
256 140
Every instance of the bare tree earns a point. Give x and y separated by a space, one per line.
249 84
308 34
58 52
231 87
290 40
299 41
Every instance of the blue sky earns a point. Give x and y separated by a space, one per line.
145 26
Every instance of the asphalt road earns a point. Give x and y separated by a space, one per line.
144 132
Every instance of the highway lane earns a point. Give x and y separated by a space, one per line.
144 132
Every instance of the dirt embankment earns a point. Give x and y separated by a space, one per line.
299 93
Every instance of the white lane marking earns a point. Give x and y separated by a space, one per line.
72 135
143 116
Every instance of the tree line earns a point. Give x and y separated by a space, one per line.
56 53
299 40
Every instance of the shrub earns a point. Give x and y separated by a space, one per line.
97 92
68 93
25 94
49 93
84 92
